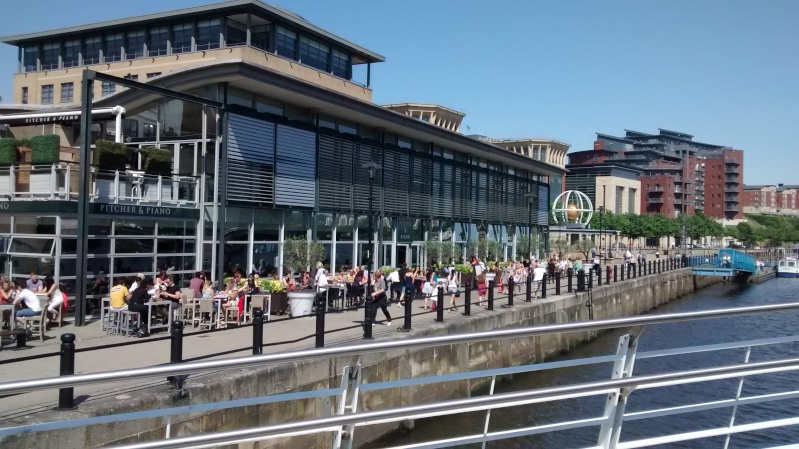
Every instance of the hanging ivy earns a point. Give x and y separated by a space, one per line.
109 155
45 149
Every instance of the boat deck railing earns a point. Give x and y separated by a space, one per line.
347 398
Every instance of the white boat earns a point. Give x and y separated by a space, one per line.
788 268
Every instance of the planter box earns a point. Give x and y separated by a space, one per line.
279 303
491 276
301 303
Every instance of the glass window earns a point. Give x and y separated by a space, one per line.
50 53
270 106
30 245
47 94
95 246
67 92
235 258
240 97
347 127
91 50
113 47
237 224
296 224
158 41
24 95
260 35
176 246
181 37
135 46
5 226
132 246
208 34
175 263
265 258
177 228
31 58
134 227
267 225
341 64
286 43
344 228
236 33
343 256
324 226
314 53
108 88
133 265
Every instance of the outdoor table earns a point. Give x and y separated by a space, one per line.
150 306
338 292
12 323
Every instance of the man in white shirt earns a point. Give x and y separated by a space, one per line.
538 277
31 301
393 282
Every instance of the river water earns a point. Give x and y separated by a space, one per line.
663 336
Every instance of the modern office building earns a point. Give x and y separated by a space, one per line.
226 187
679 175
440 116
771 199
614 188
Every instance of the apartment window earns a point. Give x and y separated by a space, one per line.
135 44
158 41
260 37
286 43
50 53
314 53
24 95
72 53
631 200
108 88
47 94
181 37
31 61
341 64
153 75
113 47
67 92
208 34
236 33
426 117
131 77
92 47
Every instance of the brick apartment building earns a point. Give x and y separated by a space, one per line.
678 174
771 199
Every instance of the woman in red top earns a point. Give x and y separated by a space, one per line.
482 288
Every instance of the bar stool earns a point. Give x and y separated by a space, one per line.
127 328
114 321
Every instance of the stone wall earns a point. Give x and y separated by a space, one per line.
617 300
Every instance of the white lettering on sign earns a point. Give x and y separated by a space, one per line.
135 210
5 206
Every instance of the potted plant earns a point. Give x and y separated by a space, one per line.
109 157
158 162
44 153
299 254
9 155
278 298
466 271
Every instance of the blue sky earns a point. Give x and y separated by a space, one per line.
726 71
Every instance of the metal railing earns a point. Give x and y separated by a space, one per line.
347 396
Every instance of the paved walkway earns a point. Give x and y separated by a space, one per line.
152 353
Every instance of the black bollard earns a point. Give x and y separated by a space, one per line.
491 295
529 293
581 281
320 325
66 396
590 279
607 274
176 353
408 313
557 285
544 287
660 266
440 305
622 272
367 318
569 273
511 288
635 271
258 332
615 273
599 276
649 268
467 301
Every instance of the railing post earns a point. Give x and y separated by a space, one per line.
615 273
176 353
408 313
528 294
623 269
491 295
557 285
467 301
66 396
590 279
599 276
544 287
649 268
511 288
607 274
367 318
581 280
440 305
635 270
320 324
258 332
569 286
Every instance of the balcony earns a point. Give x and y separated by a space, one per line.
731 207
731 187
60 182
677 201
654 200
731 198
656 188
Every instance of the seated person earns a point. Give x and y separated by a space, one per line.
136 303
288 282
28 299
119 295
168 291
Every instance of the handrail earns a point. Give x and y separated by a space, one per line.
360 349
473 404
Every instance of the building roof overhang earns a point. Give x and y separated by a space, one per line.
424 106
222 7
278 86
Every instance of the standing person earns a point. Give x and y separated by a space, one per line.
29 300
403 273
597 266
34 284
453 279
379 298
538 279
482 289
429 290
393 281
196 284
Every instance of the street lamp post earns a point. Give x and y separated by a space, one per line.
372 167
602 234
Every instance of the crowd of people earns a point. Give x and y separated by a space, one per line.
29 297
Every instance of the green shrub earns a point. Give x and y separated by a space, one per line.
109 155
9 155
44 149
157 161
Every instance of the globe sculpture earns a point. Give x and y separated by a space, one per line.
572 207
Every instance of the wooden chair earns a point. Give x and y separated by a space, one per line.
226 317
259 302
205 307
37 323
